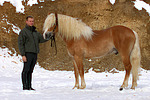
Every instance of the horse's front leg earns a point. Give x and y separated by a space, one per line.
80 70
76 73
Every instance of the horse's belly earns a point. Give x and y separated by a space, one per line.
98 53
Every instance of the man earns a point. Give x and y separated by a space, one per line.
28 43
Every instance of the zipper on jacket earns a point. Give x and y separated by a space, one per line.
34 43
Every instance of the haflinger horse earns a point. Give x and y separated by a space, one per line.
83 42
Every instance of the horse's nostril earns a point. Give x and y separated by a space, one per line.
48 35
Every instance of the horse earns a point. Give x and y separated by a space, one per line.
83 43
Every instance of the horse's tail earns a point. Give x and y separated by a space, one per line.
135 59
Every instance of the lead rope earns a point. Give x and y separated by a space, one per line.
53 39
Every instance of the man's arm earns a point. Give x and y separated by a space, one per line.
21 43
41 38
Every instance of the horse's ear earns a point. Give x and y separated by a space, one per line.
52 13
55 13
49 13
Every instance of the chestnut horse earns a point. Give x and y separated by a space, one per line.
83 42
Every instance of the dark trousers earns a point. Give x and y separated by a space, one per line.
28 69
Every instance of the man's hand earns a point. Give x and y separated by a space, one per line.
24 58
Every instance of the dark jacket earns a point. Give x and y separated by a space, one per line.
29 39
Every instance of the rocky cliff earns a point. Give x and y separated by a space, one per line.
98 14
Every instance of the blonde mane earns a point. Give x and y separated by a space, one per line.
68 27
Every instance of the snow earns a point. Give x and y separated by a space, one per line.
14 27
142 5
16 3
112 1
56 85
31 2
139 4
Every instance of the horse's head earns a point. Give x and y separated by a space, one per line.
50 26
67 27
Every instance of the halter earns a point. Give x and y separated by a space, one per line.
53 37
56 16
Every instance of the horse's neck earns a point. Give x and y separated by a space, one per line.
68 42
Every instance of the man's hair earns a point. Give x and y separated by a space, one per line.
29 17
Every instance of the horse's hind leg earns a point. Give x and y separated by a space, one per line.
127 64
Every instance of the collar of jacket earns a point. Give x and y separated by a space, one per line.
31 28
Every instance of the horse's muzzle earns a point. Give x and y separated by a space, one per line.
49 35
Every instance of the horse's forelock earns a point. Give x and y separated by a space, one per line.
49 22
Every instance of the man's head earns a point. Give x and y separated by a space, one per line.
29 20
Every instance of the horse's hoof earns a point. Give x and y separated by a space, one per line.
133 88
121 89
82 88
76 87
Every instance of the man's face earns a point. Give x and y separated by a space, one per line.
30 22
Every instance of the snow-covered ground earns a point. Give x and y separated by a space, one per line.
57 85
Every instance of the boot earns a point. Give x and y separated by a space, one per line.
29 81
31 89
25 81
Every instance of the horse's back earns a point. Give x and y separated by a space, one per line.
121 30
117 33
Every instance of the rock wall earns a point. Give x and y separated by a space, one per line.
98 14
